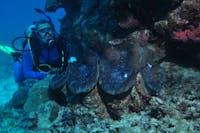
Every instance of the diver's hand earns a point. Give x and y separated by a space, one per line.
55 70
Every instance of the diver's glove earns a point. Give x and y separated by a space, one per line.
72 59
56 71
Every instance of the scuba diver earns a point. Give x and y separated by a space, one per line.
43 51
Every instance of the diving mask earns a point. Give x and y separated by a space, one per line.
46 33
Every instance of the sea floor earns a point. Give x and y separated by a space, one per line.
175 110
7 83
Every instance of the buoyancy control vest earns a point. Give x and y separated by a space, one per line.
35 47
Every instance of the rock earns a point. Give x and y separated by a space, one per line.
37 95
125 103
93 101
47 113
19 98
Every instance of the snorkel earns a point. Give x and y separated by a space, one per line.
43 13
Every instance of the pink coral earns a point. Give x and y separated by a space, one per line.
191 33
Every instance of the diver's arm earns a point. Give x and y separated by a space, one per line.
28 66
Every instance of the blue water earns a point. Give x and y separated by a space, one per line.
16 15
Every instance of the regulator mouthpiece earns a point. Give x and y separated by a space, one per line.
51 42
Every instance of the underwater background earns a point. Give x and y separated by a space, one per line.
137 69
16 16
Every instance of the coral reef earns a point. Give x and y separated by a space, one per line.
176 109
83 75
191 34
52 5
135 70
37 95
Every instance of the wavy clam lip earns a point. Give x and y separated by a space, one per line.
58 81
116 79
84 74
114 72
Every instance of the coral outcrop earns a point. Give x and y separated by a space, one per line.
135 64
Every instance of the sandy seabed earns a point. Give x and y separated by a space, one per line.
7 83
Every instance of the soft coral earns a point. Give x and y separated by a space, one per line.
191 33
